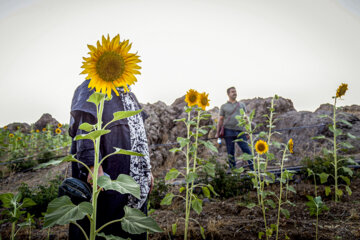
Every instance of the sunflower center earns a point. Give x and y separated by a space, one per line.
261 147
204 101
110 66
192 98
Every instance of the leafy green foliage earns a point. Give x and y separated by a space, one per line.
227 185
42 195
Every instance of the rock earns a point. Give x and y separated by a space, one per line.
45 121
22 127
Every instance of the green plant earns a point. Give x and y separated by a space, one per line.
62 211
28 222
189 149
14 209
337 146
227 185
158 192
42 195
316 206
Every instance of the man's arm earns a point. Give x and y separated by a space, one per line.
219 125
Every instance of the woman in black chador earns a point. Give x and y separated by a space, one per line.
127 134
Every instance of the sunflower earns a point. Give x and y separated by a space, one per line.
5 127
291 146
59 125
341 90
44 130
191 97
203 100
37 130
261 147
11 135
110 65
58 131
18 139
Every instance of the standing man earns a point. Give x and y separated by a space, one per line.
228 111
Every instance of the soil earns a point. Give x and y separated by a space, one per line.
227 218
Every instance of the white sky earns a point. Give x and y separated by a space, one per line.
300 50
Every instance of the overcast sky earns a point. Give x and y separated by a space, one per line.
301 50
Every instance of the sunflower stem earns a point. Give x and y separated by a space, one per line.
95 172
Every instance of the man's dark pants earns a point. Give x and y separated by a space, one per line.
230 136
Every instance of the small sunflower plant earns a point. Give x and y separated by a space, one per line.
110 65
188 146
340 172
260 143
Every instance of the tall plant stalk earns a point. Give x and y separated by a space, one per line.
335 152
187 200
280 195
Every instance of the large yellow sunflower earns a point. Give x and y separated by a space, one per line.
110 65
291 146
261 147
341 90
203 100
58 131
192 97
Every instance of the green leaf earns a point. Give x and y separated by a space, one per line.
127 152
125 114
111 237
347 170
318 137
276 144
310 172
260 235
339 192
212 189
123 184
346 179
246 157
323 177
238 170
96 98
191 177
135 222
62 211
348 189
209 168
327 151
202 231
28 202
173 228
351 136
196 204
270 203
87 127
182 141
172 174
345 122
346 145
55 162
285 212
182 189
327 190
180 120
167 199
336 131
206 192
92 136
291 189
324 116
250 205
209 145
175 150
6 198
290 203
